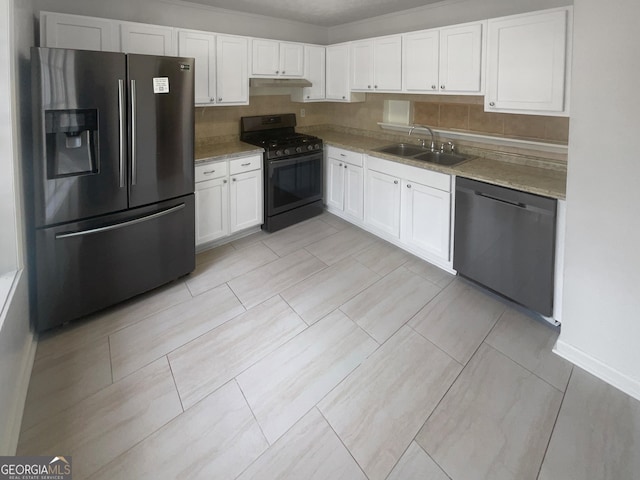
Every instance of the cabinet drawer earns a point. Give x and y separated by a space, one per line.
441 181
245 164
210 171
354 158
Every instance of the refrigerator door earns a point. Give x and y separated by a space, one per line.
161 122
86 266
79 167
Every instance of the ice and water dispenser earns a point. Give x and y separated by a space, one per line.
72 142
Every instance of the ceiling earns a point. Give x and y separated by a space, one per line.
327 13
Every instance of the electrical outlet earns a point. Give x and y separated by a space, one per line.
302 112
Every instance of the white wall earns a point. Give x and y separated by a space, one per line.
601 324
17 347
189 15
447 12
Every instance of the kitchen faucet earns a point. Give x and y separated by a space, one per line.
422 140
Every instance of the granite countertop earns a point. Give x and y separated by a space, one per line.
549 182
223 151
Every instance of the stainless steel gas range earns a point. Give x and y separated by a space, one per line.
292 169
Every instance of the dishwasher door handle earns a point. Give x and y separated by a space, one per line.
502 200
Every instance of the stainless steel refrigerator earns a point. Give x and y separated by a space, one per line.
109 191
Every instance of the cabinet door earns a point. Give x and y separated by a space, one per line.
212 210
202 47
420 52
335 183
362 65
314 71
146 39
382 211
354 191
265 59
460 59
426 219
337 87
77 32
246 200
526 63
291 59
387 63
232 79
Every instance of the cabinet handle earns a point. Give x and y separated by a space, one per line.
245 164
433 87
492 104
408 185
220 99
209 172
442 87
343 155
395 182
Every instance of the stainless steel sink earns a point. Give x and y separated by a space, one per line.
441 158
423 154
402 149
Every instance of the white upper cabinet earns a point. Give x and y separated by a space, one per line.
338 86
314 71
377 64
74 31
527 63
147 39
202 47
271 58
232 77
221 67
446 60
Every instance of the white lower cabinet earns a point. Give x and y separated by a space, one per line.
383 203
344 183
228 197
410 207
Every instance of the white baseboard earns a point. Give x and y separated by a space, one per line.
596 367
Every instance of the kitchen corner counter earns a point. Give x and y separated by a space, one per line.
516 174
223 151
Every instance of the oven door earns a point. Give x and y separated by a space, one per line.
293 182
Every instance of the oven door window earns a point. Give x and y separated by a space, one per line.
293 183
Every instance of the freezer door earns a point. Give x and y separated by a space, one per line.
83 267
79 108
161 128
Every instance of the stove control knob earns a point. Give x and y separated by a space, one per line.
317 146
278 153
298 149
309 147
287 151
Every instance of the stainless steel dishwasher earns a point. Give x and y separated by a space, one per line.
505 240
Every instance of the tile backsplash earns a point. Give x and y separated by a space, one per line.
460 113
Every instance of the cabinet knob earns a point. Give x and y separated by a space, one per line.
345 166
340 165
283 72
408 185
224 181
368 86
375 86
220 99
492 104
277 72
441 87
233 179
395 182
212 99
433 87
343 97
308 96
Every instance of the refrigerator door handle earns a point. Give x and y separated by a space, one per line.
134 175
116 226
123 133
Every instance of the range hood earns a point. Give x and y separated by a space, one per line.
279 82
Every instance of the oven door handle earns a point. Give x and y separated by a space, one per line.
273 164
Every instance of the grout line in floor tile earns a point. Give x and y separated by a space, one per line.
235 380
110 357
340 439
357 325
173 377
555 422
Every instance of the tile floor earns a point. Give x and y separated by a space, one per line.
322 352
